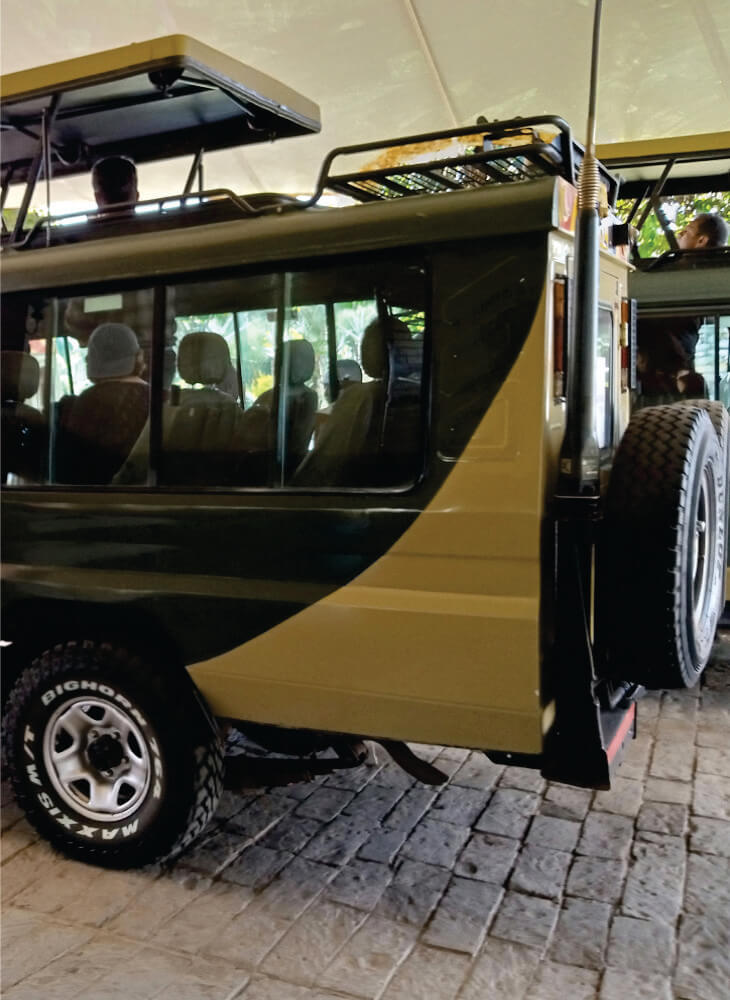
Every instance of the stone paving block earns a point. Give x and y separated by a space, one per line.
30 866
663 790
624 797
340 840
460 806
324 803
256 867
309 947
703 965
526 778
503 969
600 879
550 831
383 845
157 902
77 969
606 835
508 813
582 932
540 871
413 894
711 796
710 836
192 989
714 760
526 920
672 760
373 803
268 988
488 858
435 843
199 923
428 973
211 855
393 774
633 984
477 772
636 758
558 982
291 834
645 945
231 803
370 958
711 735
410 808
672 847
63 881
654 883
295 887
247 939
16 839
708 885
103 898
30 941
360 884
261 814
463 915
663 817
565 802
448 763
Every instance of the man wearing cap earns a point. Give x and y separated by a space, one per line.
96 430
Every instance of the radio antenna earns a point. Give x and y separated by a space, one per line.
579 455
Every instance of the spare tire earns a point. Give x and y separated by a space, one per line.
663 554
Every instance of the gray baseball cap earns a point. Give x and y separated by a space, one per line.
112 351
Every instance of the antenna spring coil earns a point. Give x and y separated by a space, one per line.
589 183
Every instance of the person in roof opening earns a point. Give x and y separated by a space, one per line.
114 180
705 232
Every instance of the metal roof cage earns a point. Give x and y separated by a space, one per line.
491 153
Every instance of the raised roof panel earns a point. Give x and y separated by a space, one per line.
151 100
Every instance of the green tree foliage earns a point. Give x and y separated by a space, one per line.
679 211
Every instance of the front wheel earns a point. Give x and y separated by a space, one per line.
114 763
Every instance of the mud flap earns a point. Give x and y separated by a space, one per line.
585 742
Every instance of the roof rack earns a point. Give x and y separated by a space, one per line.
494 153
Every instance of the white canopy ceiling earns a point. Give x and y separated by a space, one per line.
381 68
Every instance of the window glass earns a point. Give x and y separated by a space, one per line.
310 379
307 379
603 379
724 352
88 361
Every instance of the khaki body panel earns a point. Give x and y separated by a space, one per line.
462 585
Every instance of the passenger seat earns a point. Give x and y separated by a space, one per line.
24 431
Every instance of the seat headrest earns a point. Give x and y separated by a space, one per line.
20 376
203 357
377 342
348 371
299 356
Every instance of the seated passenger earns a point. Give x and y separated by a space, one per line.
114 179
665 371
97 429
369 438
205 437
24 437
299 403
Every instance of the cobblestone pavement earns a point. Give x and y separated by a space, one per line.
365 884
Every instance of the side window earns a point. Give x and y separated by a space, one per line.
310 379
87 358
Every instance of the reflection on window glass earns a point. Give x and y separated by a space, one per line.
603 374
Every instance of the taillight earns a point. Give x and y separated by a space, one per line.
628 344
560 328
